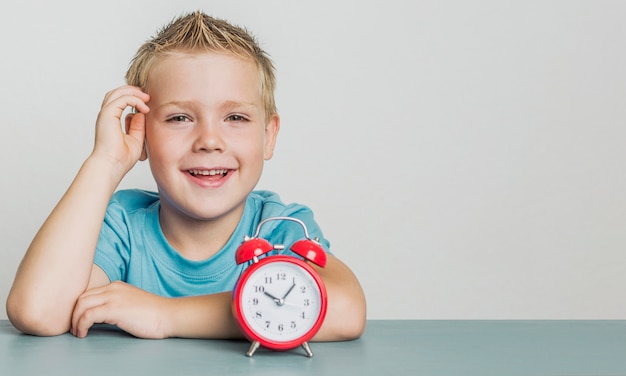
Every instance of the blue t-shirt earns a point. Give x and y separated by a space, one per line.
132 247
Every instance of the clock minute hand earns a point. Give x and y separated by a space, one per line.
288 291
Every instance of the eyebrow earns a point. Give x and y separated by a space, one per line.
227 105
235 104
177 104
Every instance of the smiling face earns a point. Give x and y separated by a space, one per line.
207 134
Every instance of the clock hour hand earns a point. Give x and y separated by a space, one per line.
278 301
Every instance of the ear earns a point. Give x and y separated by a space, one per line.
127 123
271 133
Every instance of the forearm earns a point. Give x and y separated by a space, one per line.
207 316
346 313
56 267
210 316
147 315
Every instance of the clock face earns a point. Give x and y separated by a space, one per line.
281 302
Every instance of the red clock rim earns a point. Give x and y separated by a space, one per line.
265 342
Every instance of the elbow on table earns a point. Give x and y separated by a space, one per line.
31 318
355 326
350 329
347 319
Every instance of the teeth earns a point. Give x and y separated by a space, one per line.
208 172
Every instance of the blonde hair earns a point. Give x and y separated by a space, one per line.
195 32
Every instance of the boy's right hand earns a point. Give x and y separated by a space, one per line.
122 149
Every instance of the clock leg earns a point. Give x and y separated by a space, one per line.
253 347
307 349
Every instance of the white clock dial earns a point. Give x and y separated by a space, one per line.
281 301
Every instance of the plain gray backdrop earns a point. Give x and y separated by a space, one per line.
465 158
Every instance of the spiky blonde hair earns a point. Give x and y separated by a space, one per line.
198 32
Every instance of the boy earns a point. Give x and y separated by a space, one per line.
163 265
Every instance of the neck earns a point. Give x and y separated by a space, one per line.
197 239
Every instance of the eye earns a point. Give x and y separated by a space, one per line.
178 119
236 118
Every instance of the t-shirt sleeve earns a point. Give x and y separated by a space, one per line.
112 250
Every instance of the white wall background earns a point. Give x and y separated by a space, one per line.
465 158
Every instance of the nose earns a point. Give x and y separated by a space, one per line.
208 137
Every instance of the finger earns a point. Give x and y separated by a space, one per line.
136 128
95 291
117 106
124 91
118 101
88 300
136 125
94 315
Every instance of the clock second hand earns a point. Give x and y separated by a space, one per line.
293 304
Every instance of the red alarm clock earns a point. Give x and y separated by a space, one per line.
280 301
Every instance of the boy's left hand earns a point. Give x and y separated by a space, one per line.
131 309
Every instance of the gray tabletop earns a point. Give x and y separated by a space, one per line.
411 347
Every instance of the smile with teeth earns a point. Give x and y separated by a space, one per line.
221 172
